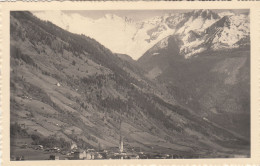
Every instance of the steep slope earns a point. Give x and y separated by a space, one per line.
204 70
214 84
69 86
207 70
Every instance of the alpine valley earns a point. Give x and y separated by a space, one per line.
176 85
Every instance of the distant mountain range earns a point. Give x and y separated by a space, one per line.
172 100
197 30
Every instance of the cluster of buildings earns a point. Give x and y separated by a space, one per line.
77 154
88 154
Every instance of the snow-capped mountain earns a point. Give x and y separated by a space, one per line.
120 35
197 30
224 33
226 13
198 20
205 30
102 29
192 30
228 31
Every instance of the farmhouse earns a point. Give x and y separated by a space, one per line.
73 146
80 154
54 157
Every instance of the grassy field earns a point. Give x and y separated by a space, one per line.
32 154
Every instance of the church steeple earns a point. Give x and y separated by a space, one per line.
121 143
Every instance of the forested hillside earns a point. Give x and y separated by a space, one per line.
69 88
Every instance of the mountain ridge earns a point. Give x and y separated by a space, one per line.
137 36
69 86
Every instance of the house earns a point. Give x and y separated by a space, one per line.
88 157
24 146
37 147
92 156
53 157
133 156
80 154
40 147
98 156
56 149
73 146
58 84
19 158
22 126
90 150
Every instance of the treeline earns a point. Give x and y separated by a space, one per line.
94 80
46 32
58 39
114 103
50 142
147 104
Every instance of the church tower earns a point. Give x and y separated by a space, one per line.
121 140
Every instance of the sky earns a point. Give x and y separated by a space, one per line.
139 14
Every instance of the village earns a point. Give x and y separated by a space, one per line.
24 149
77 153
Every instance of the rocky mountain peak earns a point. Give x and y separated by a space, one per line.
140 36
206 14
